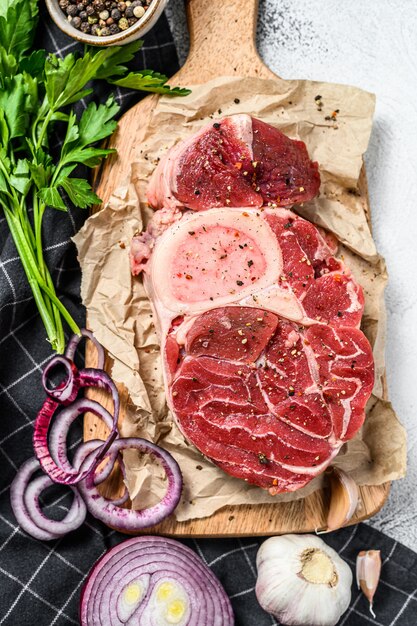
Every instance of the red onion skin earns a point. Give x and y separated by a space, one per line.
160 557
128 520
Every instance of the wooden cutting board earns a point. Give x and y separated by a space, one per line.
222 41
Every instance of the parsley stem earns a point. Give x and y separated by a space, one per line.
44 128
22 251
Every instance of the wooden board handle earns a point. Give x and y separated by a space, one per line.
222 38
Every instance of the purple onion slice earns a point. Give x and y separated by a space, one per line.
129 520
32 520
52 455
153 581
91 377
67 390
75 340
17 492
72 520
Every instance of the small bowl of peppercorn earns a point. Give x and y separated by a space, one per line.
105 22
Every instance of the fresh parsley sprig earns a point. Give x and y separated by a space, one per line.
36 92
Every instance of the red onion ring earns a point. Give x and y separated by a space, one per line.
173 580
52 456
101 474
67 390
72 520
91 377
58 432
35 523
129 520
75 340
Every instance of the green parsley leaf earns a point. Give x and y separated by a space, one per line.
41 168
34 63
8 64
52 198
80 192
20 178
120 54
97 122
13 103
4 129
149 81
18 20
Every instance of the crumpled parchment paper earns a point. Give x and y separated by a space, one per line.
120 314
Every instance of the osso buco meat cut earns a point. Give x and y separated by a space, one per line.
266 370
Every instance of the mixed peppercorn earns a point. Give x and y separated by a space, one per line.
103 17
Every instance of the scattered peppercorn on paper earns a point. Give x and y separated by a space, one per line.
335 123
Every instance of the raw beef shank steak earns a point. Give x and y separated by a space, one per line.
266 370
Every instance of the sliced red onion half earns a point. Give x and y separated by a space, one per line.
75 340
129 520
67 390
49 443
24 498
153 581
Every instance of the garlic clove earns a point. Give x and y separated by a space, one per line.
343 500
368 571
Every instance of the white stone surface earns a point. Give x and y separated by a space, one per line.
372 45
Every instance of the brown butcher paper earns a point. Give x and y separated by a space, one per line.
336 129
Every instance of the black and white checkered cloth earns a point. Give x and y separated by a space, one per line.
40 582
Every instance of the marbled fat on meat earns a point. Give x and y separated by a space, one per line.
266 370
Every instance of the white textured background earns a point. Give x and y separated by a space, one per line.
371 44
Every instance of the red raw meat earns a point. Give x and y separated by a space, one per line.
266 370
238 161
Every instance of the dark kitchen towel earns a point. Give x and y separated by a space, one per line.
40 583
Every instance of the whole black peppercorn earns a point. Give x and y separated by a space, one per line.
99 5
80 7
83 16
116 15
135 3
63 4
90 10
114 29
85 27
132 20
76 21
72 10
129 12
105 32
95 29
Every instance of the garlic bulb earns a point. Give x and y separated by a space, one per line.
302 581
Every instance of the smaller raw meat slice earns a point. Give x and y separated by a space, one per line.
238 161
